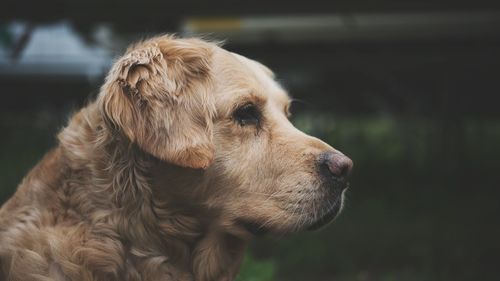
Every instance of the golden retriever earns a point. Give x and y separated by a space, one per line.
185 155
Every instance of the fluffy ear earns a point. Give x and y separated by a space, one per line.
158 95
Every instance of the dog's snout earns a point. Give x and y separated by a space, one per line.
338 165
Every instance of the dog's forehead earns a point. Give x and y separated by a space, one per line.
241 76
255 65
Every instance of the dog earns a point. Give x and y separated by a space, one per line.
185 155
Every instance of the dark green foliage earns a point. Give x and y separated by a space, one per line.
257 270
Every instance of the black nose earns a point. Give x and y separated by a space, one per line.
338 165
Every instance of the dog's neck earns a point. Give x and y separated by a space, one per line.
150 205
179 198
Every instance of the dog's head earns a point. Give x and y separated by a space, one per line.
192 104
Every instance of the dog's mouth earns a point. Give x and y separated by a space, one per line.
328 215
257 229
254 228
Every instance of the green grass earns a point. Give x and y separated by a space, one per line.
257 270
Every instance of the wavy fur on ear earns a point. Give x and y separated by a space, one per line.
157 94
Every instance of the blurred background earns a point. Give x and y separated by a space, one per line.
408 89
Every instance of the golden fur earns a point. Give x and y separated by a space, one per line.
155 180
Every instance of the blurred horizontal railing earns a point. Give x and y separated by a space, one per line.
57 49
347 27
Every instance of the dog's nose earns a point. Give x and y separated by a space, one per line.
337 164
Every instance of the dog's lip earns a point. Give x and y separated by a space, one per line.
328 216
252 227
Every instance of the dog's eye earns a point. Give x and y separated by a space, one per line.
248 114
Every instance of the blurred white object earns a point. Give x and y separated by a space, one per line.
54 50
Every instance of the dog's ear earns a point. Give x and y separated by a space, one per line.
158 95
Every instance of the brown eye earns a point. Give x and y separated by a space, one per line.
248 114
